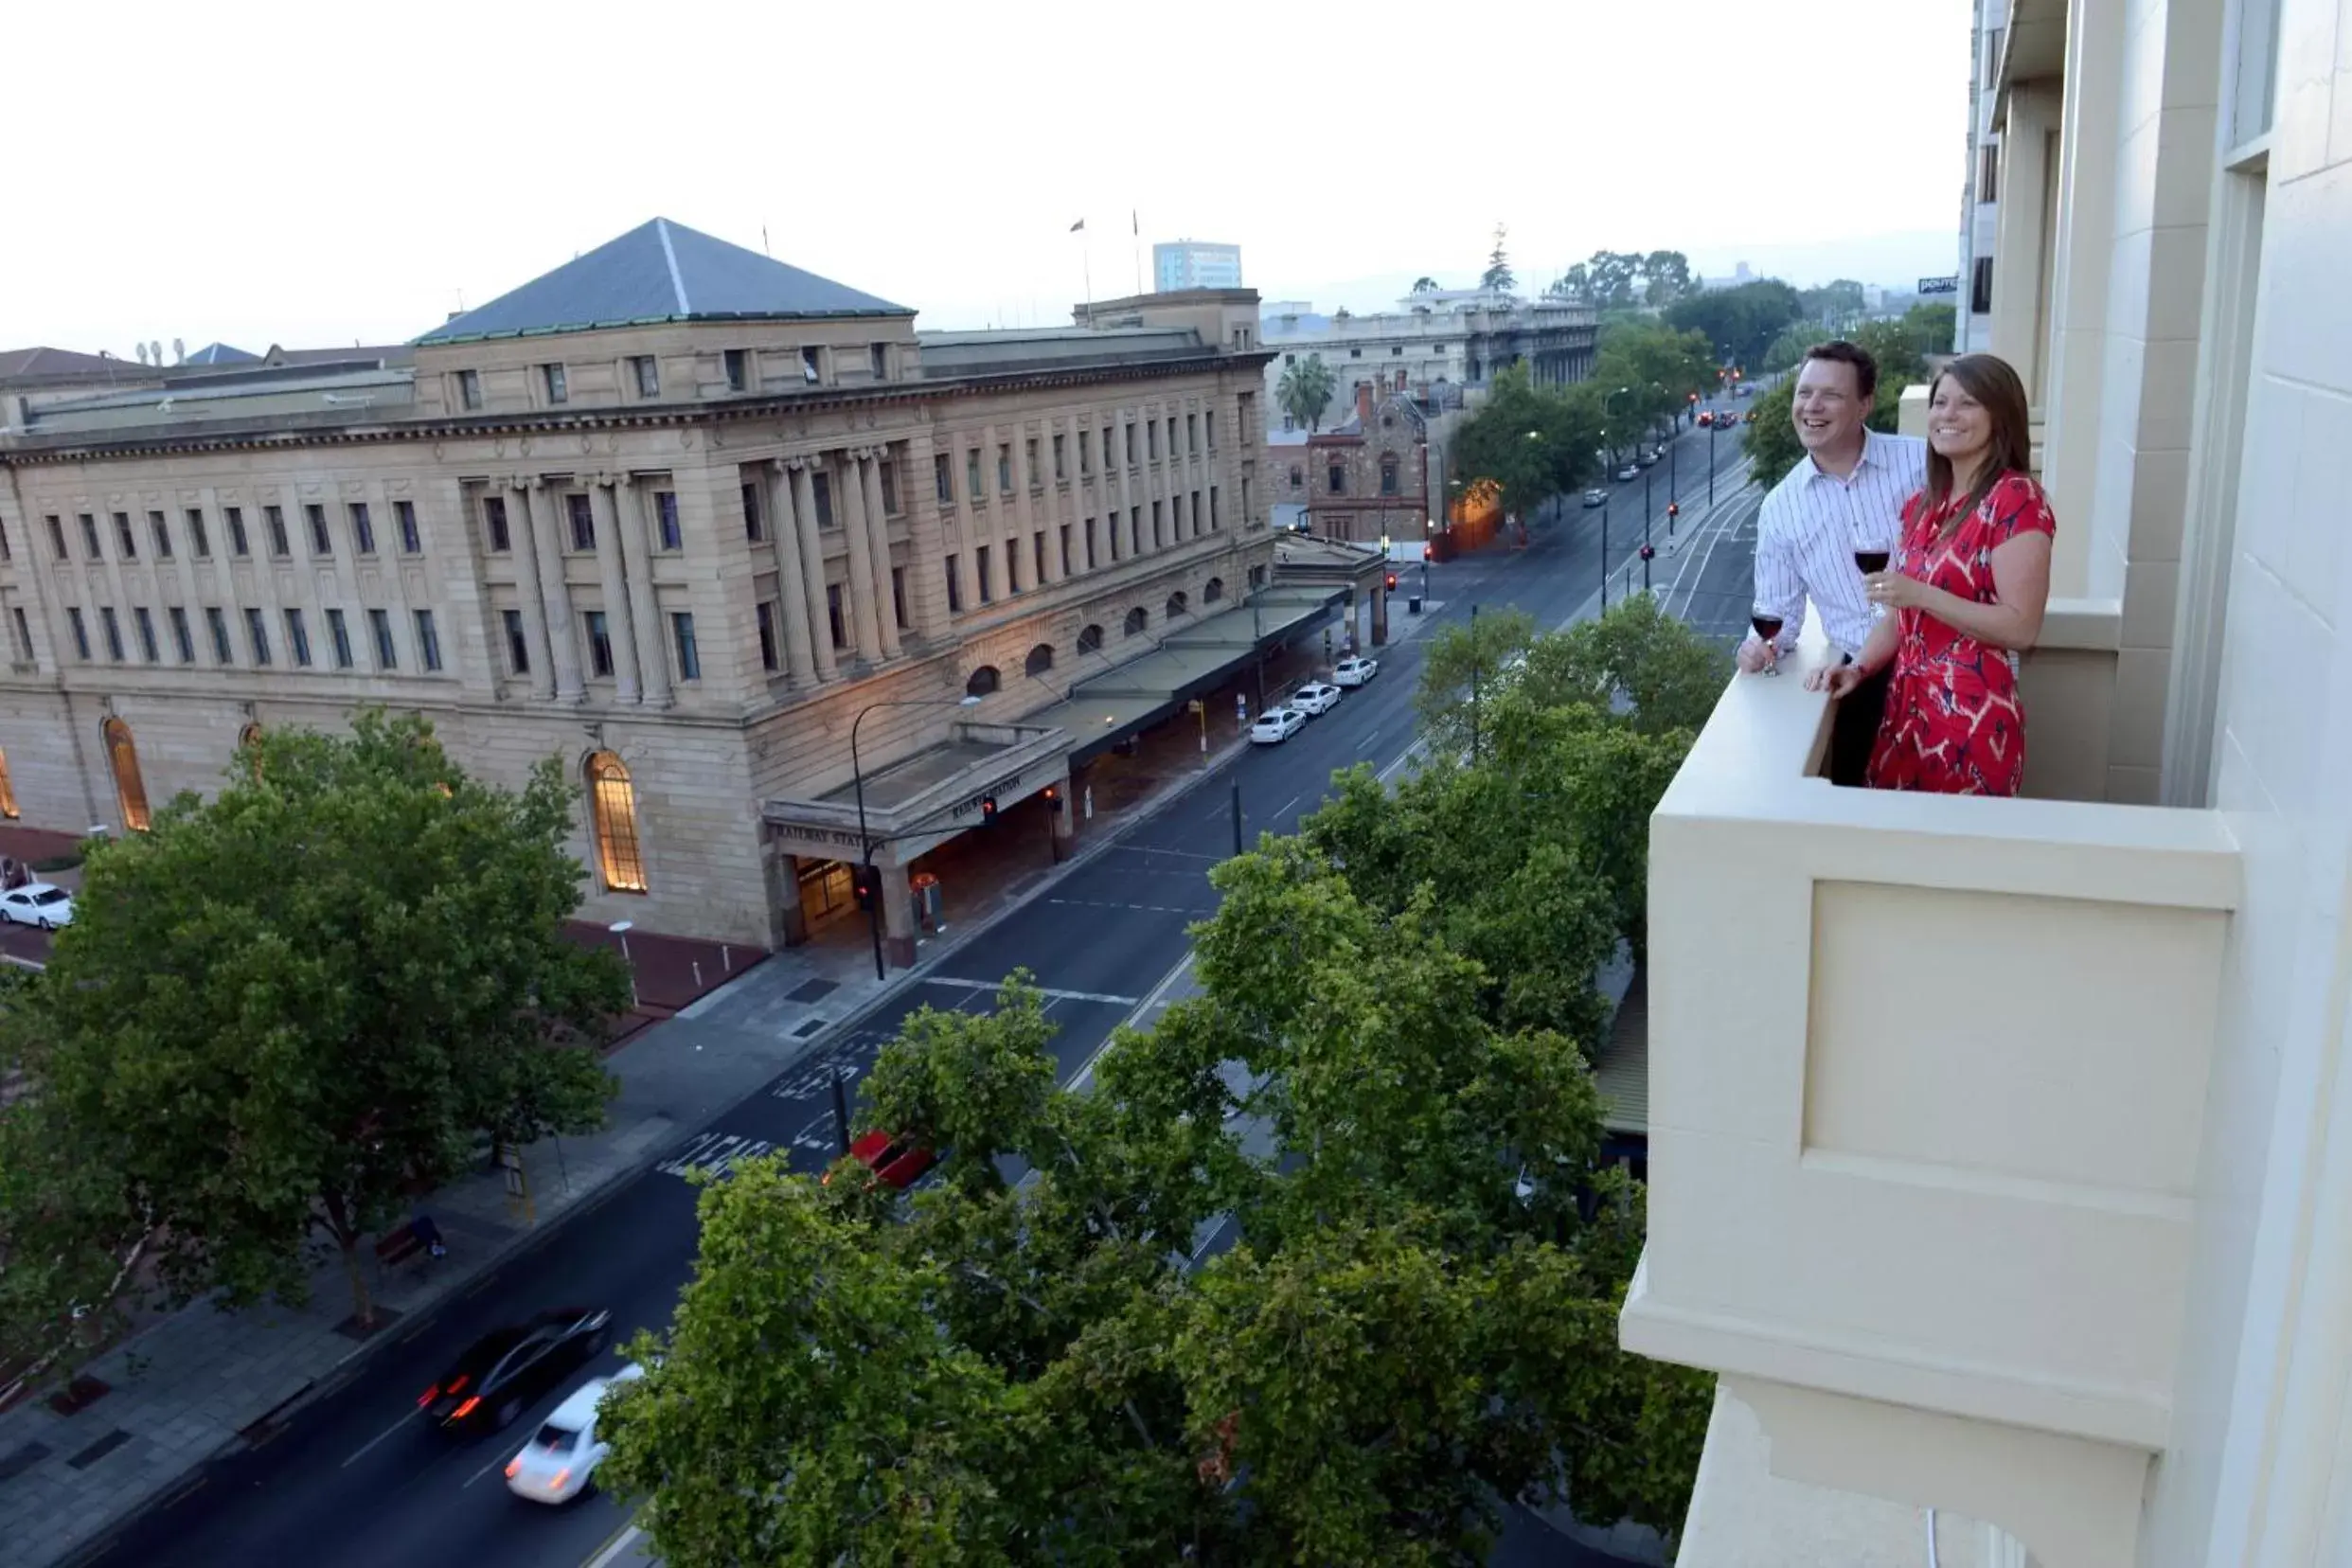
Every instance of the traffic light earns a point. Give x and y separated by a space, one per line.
1053 798
1674 510
988 809
865 880
1690 397
1392 583
1650 552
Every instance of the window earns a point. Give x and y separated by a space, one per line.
984 682
320 543
972 476
821 493
404 513
258 636
1214 523
648 372
123 534
89 536
584 521
428 641
943 478
1134 530
1398 348
113 633
1992 56
81 634
879 354
1388 476
666 520
145 624
754 529
1040 659
122 756
162 530
23 634
1155 526
339 633
1037 558
954 588
1037 478
1135 621
199 540
182 643
980 570
494 523
238 544
1337 482
738 369
298 639
1354 353
1245 404
1107 459
1086 462
1090 543
273 518
216 621
599 644
898 597
363 529
1192 433
387 654
1151 439
1208 423
558 389
469 389
1171 434
1089 640
1989 172
1212 590
1130 444
888 472
1980 286
1062 542
1177 605
811 366
1060 468
518 644
836 624
1258 578
613 813
764 613
682 637
1004 467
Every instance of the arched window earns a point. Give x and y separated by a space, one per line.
129 788
612 814
1176 605
1135 619
1040 659
248 736
1089 640
7 791
1212 590
984 682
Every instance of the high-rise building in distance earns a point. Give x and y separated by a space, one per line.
1195 264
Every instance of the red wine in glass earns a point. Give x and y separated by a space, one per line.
1870 561
1767 627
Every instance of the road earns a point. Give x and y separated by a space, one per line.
353 1480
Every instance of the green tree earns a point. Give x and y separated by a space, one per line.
1643 374
284 1012
1425 284
1498 275
1305 390
1741 322
1666 277
1532 442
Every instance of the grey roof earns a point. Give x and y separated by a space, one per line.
658 272
220 353
29 364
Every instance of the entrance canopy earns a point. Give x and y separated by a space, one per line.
920 801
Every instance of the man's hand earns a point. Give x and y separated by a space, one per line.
1756 655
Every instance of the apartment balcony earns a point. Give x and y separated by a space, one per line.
1928 1080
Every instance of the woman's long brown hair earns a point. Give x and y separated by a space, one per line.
1994 386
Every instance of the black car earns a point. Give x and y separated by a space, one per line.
506 1369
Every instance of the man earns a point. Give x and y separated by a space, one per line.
1848 495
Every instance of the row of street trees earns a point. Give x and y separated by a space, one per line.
1382 1085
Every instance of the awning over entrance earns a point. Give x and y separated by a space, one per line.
919 801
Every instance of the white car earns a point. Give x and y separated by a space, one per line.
558 1463
1595 498
43 904
1355 670
1275 725
1314 698
1628 472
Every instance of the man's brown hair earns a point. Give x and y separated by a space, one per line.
1839 351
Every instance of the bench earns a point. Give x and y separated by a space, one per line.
404 1245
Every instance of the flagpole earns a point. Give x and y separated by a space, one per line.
1086 268
1135 222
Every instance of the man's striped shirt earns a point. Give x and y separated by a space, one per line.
1811 524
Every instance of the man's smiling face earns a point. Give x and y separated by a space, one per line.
1828 408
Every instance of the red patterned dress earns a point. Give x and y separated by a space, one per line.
1954 724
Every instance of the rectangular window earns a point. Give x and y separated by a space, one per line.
649 375
980 571
836 625
144 623
89 535
469 389
339 633
363 529
821 492
738 376
972 476
321 546
811 366
1151 439
666 520
113 633
558 389
1337 480
1061 461
753 528
1246 407
1215 522
1107 459
1036 479
1992 56
1037 558
955 588
1130 444
585 522
182 643
682 635
1086 459
888 472
764 613
1192 433
599 644
518 645
57 536
1061 542
943 478
494 523
1388 479
387 655
1398 348
1980 287
81 634
428 641
881 352
258 635
404 513
273 518
897 596
1171 434
23 634
125 537
199 541
238 544
1004 467
1090 543
297 639
216 621
162 532
1155 526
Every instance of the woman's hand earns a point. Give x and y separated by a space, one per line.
1838 681
1895 591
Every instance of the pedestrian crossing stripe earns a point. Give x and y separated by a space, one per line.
715 1152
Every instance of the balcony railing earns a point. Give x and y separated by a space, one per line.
1927 1089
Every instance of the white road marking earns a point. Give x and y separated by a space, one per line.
1283 810
1402 757
1054 995
1085 1074
495 1464
716 1153
614 1547
377 1438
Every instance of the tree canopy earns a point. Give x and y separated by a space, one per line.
1625 280
1644 372
1741 322
1305 391
1498 275
1534 442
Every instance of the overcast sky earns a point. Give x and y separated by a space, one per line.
312 174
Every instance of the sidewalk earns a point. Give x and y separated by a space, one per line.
193 1384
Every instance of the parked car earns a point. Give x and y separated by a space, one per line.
506 1369
43 904
1275 725
1646 458
1313 698
1595 498
896 1162
1631 470
1706 416
560 1462
1355 670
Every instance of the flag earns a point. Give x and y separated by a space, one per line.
1080 224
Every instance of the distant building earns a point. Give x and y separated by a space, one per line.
1740 275
1195 264
1363 480
1435 346
1980 209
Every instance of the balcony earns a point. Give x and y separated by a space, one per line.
1928 1080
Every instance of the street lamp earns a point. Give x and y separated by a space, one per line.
867 845
621 929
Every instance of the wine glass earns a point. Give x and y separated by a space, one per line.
1870 561
1767 627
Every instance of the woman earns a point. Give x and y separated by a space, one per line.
1967 589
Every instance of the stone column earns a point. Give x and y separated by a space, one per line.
878 531
898 924
1122 542
638 572
1067 515
863 620
546 521
812 566
621 625
791 574
528 595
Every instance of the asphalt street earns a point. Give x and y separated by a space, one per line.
355 1480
